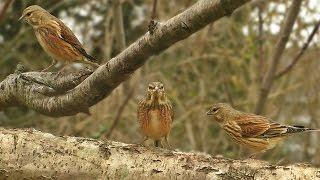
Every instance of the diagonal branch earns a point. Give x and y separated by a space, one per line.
14 91
286 30
301 52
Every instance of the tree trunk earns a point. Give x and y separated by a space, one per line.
32 154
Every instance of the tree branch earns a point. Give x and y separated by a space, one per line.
261 63
4 8
118 24
32 154
14 91
286 30
301 52
119 112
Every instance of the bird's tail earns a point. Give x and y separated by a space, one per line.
157 143
297 129
277 130
91 60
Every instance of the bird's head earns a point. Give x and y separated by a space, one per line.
34 14
156 93
221 112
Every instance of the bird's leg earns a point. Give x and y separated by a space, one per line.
167 142
53 62
143 143
61 70
256 154
157 143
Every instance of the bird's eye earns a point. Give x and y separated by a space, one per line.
214 109
151 87
29 13
161 87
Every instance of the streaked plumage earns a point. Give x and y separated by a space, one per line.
57 40
155 114
252 131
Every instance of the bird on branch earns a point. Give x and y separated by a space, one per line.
57 40
155 115
250 130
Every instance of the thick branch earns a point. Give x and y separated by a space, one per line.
286 30
32 154
109 76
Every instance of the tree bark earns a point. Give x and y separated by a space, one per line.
15 91
32 154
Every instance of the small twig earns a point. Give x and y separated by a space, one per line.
260 42
4 9
284 35
152 23
154 10
301 52
119 112
227 91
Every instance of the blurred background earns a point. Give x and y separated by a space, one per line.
224 62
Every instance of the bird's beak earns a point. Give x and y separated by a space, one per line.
21 18
209 113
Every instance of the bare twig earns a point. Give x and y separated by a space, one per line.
286 30
301 52
154 10
119 112
260 40
118 24
4 9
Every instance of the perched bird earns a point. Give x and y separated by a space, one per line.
155 115
252 131
57 40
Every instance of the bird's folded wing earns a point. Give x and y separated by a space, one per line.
142 113
67 35
171 110
252 125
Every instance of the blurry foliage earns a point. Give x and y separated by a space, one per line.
217 64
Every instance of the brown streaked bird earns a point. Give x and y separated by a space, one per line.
57 40
155 115
250 130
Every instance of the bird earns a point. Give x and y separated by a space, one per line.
252 131
155 115
56 39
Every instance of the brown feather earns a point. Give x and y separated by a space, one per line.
68 36
163 114
252 125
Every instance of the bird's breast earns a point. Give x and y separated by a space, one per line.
158 124
154 119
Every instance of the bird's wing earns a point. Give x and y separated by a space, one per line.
171 110
168 113
252 125
68 36
142 112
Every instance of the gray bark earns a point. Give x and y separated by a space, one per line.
16 91
32 154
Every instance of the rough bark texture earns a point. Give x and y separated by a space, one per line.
14 90
32 154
